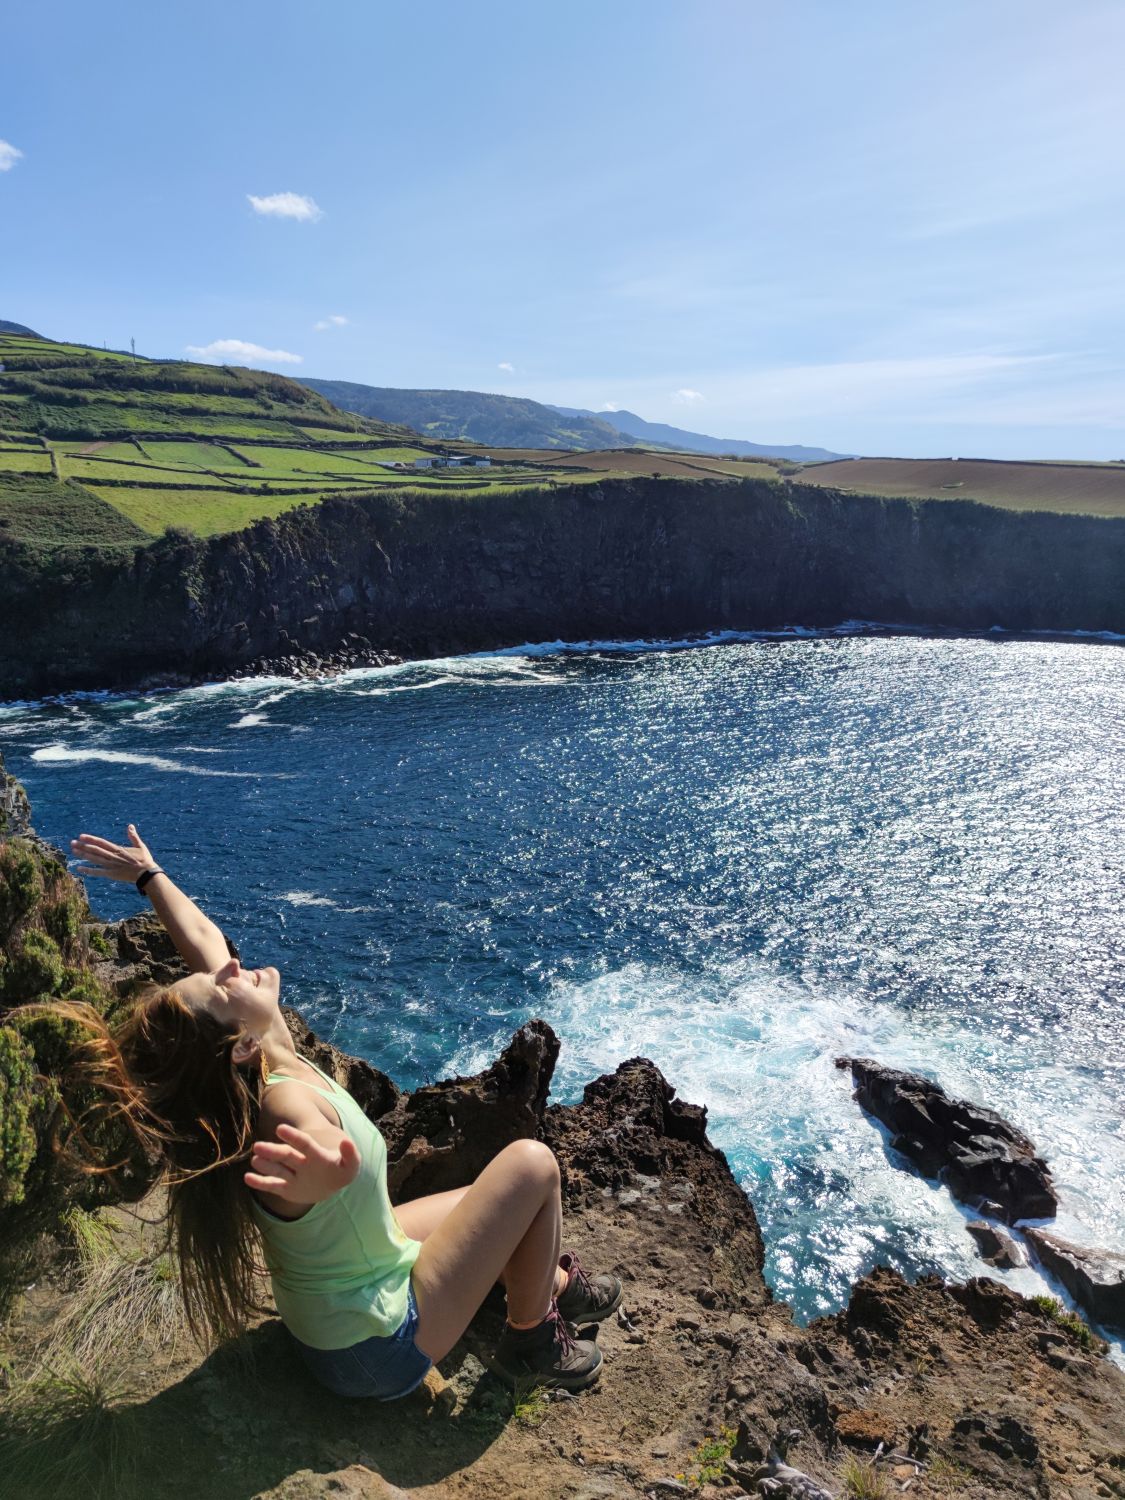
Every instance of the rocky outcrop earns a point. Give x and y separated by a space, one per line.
1094 1278
424 575
633 1143
443 1134
15 814
983 1159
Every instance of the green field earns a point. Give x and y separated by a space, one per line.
48 514
204 511
25 460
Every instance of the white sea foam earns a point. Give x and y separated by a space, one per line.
65 754
307 898
249 721
759 1049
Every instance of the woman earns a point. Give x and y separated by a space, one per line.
259 1142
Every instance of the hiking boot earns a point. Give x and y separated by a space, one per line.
547 1354
586 1299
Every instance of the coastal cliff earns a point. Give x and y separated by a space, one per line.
426 574
709 1387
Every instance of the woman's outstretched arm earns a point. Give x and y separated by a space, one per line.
198 941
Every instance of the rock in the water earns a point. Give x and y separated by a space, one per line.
1094 1278
982 1159
996 1248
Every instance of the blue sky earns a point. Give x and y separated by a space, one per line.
880 227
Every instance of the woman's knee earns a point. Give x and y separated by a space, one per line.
533 1161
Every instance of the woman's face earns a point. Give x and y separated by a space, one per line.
246 998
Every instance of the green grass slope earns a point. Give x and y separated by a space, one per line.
98 448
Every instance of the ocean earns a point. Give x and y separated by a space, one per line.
740 859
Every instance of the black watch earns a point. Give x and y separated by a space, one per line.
146 875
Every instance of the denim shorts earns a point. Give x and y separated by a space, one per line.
381 1367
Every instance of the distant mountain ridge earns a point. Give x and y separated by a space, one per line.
471 416
6 327
516 422
661 433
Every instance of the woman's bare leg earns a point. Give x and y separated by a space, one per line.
508 1223
421 1216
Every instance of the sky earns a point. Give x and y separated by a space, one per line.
876 227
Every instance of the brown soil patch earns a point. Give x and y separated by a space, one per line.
1082 489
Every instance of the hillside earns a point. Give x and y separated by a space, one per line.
472 416
515 422
663 436
6 327
99 447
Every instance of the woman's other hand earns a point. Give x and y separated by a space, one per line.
112 861
299 1168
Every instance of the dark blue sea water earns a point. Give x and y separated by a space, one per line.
739 860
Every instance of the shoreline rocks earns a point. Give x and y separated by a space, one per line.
1094 1278
996 1248
984 1160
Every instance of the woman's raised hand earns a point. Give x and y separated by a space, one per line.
112 861
300 1169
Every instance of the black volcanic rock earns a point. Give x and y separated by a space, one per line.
996 1248
444 1134
1094 1278
983 1160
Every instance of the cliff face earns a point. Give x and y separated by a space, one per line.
431 574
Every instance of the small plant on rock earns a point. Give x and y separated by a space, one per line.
710 1458
1069 1321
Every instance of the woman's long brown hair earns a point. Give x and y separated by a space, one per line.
167 1075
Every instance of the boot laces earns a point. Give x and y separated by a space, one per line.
565 1340
578 1272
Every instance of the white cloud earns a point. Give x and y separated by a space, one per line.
286 206
238 350
685 397
508 369
9 155
333 320
609 406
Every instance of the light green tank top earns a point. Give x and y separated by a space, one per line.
341 1273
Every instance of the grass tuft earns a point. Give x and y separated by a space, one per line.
91 1238
68 1432
118 1303
863 1481
530 1404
